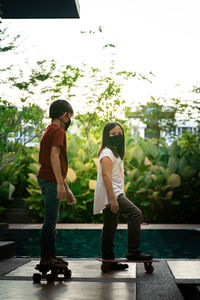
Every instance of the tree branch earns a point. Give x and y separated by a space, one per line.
18 152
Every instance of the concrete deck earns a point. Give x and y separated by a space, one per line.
88 282
99 226
173 279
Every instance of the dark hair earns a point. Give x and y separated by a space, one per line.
106 140
58 108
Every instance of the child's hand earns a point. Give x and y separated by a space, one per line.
70 197
114 206
61 192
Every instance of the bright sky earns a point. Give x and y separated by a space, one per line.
150 35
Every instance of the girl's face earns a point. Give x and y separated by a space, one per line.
116 131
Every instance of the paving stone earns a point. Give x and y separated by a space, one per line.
185 269
7 249
80 269
159 285
7 265
89 283
23 290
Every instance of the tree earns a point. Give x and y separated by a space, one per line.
158 118
16 123
25 121
95 95
101 101
8 45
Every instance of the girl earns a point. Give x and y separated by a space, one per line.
110 198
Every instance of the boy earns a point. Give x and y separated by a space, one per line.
51 177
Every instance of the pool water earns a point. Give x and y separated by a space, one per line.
86 243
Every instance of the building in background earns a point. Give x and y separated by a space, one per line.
181 126
139 128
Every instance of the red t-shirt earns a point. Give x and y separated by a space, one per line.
53 136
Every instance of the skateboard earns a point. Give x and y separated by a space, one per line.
105 267
50 273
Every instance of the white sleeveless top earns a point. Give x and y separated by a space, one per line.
117 177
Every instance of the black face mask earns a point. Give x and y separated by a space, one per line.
67 124
117 141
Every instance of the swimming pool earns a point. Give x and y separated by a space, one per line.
86 243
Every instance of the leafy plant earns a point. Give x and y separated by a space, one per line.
20 122
160 179
13 178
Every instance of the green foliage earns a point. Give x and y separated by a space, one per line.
163 181
25 121
188 109
17 173
8 178
8 42
190 142
13 177
35 200
84 165
42 71
158 117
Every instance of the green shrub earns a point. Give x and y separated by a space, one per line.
163 181
13 178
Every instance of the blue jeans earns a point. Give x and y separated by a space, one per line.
52 207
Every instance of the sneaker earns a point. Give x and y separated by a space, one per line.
138 256
60 260
118 266
52 263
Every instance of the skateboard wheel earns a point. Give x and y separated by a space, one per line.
67 273
54 273
50 278
36 278
105 267
149 267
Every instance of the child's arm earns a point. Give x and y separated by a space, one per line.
55 163
106 174
70 197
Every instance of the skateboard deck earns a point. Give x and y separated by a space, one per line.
149 268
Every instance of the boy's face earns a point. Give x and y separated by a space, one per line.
65 120
66 117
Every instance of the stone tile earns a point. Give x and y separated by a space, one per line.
185 269
99 226
23 290
80 269
7 249
25 270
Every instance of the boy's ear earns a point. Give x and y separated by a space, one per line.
64 114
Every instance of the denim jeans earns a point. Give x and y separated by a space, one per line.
110 222
52 207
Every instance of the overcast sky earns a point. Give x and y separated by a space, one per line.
161 36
